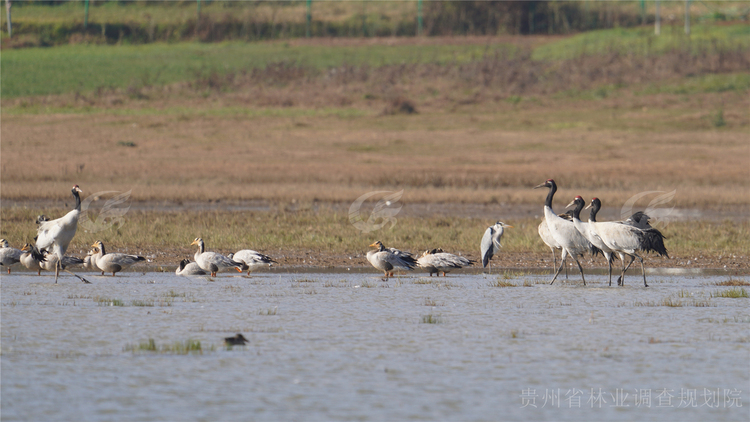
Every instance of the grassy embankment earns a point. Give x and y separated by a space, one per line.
318 127
146 22
325 237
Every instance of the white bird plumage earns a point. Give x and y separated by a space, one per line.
54 236
490 244
564 232
627 238
587 230
213 262
389 260
550 241
252 259
437 261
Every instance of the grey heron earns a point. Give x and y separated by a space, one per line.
212 261
491 242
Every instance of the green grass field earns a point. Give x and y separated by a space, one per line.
85 68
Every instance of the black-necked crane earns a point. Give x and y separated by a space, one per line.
54 236
627 239
389 260
564 232
589 233
551 243
491 242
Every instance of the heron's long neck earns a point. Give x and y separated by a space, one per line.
551 195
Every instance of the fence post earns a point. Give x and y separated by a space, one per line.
687 17
86 14
10 25
657 24
419 17
308 19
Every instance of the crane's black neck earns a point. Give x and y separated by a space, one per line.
551 194
577 209
78 199
596 204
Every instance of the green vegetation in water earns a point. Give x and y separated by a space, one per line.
178 348
735 293
501 283
432 319
105 301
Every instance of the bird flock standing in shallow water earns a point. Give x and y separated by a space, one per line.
565 232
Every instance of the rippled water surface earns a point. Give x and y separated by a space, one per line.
352 347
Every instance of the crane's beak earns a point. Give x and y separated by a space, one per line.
573 202
588 206
543 185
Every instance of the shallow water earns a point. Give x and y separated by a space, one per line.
352 347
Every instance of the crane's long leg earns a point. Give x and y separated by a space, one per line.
575 258
564 255
554 259
77 276
608 255
643 271
57 269
621 281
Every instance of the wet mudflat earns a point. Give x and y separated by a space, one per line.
352 347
